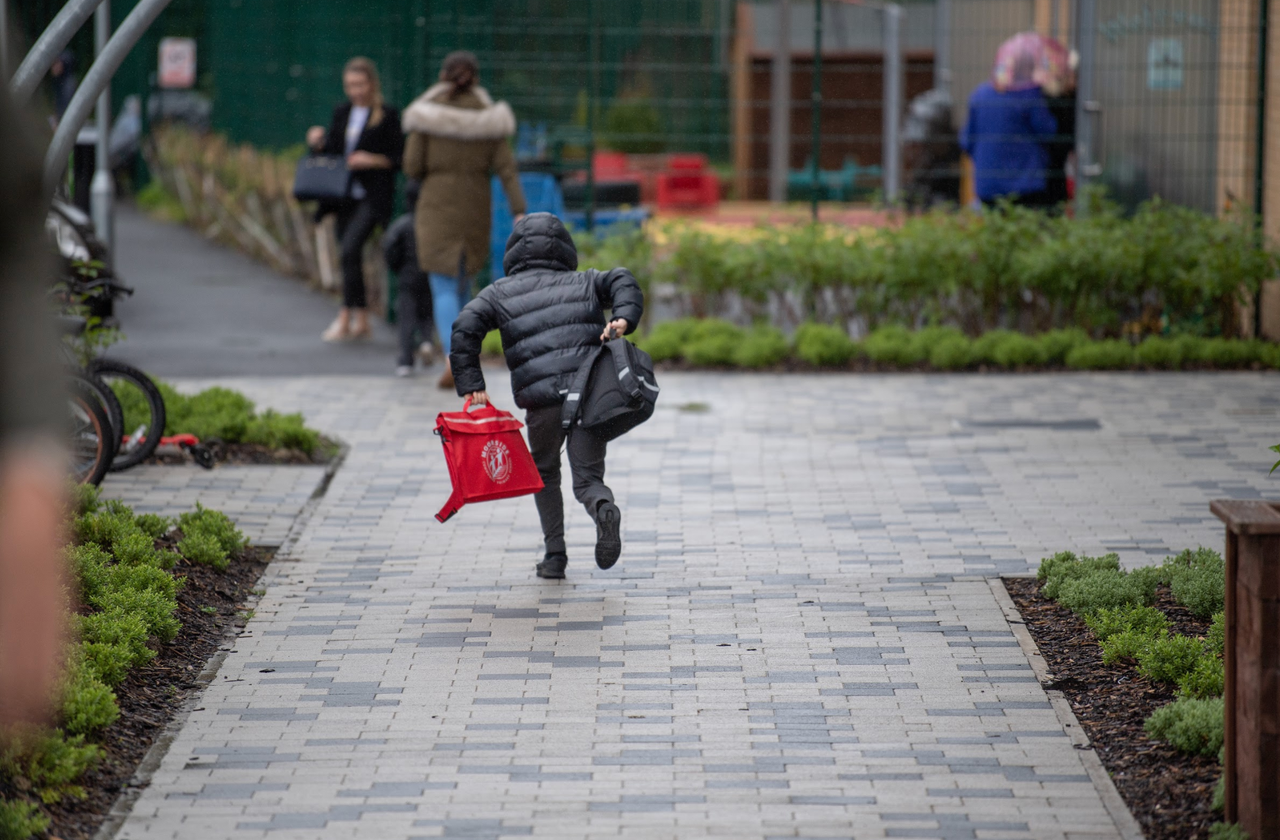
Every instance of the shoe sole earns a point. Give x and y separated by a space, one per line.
550 575
608 535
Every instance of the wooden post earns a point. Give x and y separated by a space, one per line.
1252 659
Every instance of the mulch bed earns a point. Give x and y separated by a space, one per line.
1168 792
252 454
151 695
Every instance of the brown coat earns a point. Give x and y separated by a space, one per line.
454 145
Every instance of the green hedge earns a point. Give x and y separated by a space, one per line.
1103 271
129 599
718 343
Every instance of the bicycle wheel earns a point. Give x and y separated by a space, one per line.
91 435
142 407
110 403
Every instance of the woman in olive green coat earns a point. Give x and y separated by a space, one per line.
458 137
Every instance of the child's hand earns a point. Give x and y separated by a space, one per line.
479 398
615 328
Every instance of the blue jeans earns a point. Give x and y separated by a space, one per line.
448 296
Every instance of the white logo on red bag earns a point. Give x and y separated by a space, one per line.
497 461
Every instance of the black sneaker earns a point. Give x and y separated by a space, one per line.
552 566
608 534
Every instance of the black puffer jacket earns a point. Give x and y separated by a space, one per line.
550 314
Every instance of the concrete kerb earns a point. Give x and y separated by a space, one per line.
1125 824
146 770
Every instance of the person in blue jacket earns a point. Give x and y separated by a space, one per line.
1006 135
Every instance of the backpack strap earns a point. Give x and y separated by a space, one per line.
573 400
628 380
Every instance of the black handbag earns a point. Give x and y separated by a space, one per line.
613 391
322 178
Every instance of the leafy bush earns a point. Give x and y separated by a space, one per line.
1216 640
1192 726
1224 353
824 346
51 763
1065 565
229 416
1105 588
633 124
1056 344
1108 622
892 345
281 431
153 524
492 344
1101 355
762 347
1014 350
1170 658
88 704
203 549
1161 353
1206 681
216 524
713 342
924 341
951 353
1198 580
1128 644
20 820
667 340
1227 831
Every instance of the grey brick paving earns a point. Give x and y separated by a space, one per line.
799 641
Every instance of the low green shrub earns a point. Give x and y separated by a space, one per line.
203 549
1198 580
492 344
1065 565
20 820
666 341
1170 658
1216 640
1192 726
88 704
952 353
713 343
892 345
1159 353
1101 355
985 346
1225 353
824 346
1104 588
216 524
226 415
1206 681
1108 622
1128 645
51 763
761 348
1058 343
1227 831
924 341
1016 350
281 431
153 524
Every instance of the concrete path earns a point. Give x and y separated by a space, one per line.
204 310
800 639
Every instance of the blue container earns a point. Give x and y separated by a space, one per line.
606 218
541 194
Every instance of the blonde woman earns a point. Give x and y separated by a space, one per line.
457 138
366 131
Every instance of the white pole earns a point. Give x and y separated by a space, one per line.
942 45
891 162
102 190
780 108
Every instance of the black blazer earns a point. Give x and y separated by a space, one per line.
385 138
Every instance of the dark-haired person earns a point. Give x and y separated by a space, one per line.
366 131
458 137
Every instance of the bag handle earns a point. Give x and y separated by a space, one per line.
627 378
573 399
492 409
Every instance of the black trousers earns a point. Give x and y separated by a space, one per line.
414 315
356 221
586 466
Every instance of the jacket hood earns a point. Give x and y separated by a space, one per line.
539 240
432 114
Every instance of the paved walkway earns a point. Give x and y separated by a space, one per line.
800 640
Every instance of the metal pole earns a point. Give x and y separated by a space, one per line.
593 93
102 190
99 75
1086 107
51 42
942 45
816 144
891 155
780 108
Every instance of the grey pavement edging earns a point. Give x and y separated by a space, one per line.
1125 823
146 769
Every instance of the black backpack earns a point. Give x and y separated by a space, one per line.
613 391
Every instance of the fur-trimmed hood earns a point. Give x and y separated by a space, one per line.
431 116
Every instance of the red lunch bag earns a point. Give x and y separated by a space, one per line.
487 457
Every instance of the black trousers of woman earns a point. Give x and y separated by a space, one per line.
356 221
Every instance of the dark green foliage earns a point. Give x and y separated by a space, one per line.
229 416
153 524
762 347
667 340
824 346
216 524
1101 355
1216 640
1198 580
20 820
202 548
713 342
1207 680
85 498
892 345
1100 589
1220 791
1129 644
1064 566
281 431
1014 350
923 342
1058 343
51 762
1223 353
951 353
633 124
1192 726
88 704
1108 622
1159 353
1170 658
1227 831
